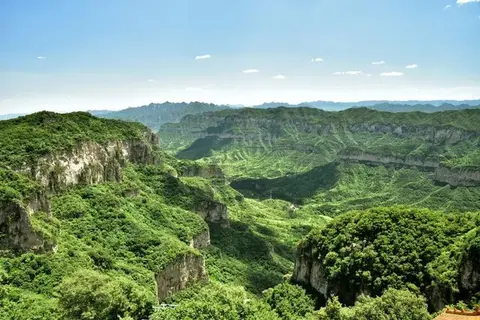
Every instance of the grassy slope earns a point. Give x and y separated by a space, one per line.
297 165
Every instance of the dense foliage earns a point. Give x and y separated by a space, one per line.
332 162
370 251
392 305
24 139
111 239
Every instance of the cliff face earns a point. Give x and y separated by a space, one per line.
310 273
213 211
373 159
201 240
90 163
177 275
16 228
203 171
467 177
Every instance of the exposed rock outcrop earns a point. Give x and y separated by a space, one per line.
201 241
469 282
213 211
467 177
210 171
91 163
16 229
310 273
372 159
88 163
180 273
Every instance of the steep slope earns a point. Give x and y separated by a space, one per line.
92 208
342 160
366 252
156 114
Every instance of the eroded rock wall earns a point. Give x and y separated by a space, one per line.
16 230
90 163
177 275
467 177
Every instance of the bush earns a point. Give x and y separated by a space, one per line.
392 305
289 301
91 295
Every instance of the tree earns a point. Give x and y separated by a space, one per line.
392 305
88 294
289 301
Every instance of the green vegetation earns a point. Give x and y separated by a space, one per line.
116 236
273 143
24 139
340 187
284 180
332 162
371 251
392 305
227 302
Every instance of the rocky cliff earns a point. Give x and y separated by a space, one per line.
180 273
201 241
373 159
309 273
91 162
469 270
16 228
461 176
213 211
88 163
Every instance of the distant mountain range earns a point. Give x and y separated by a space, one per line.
156 114
383 105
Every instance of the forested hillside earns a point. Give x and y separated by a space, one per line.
335 161
98 223
328 163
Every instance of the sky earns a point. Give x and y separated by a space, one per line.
110 54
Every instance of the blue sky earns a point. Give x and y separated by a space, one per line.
90 54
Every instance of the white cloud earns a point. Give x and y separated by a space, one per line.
279 77
447 6
317 60
251 71
348 73
41 58
412 66
392 74
379 62
460 2
206 56
369 74
150 80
